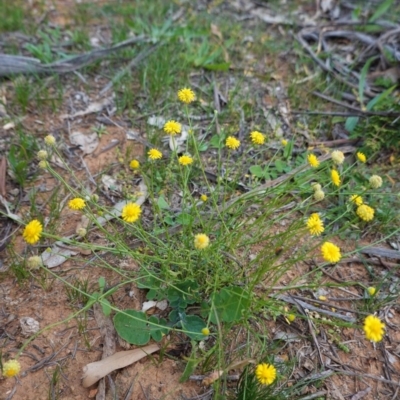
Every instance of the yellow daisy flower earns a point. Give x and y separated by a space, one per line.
232 143
185 160
131 212
335 177
201 241
154 154
172 127
134 164
11 368
356 199
366 213
76 204
331 252
374 328
257 137
361 157
32 232
313 160
315 224
186 95
265 373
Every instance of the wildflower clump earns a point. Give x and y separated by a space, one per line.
201 241
185 160
265 373
331 252
375 181
374 328
356 199
366 213
257 137
131 212
186 95
232 143
11 368
172 127
315 224
337 157
32 232
76 204
361 157
134 164
154 154
50 140
313 160
335 177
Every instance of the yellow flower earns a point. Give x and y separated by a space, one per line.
319 195
203 197
315 224
374 328
11 368
32 232
335 177
42 155
232 143
34 262
291 317
284 142
257 137
331 252
50 140
375 181
265 373
337 157
313 160
371 290
361 157
356 199
205 331
154 154
201 241
131 212
366 213
172 127
76 204
186 95
185 160
134 164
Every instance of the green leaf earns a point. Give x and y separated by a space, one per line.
161 202
203 146
183 294
363 79
217 67
191 365
216 141
383 7
106 307
192 326
351 123
257 171
280 166
157 332
287 152
376 100
132 327
102 283
184 219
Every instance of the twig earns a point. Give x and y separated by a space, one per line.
363 375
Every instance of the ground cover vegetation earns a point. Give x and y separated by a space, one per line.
213 228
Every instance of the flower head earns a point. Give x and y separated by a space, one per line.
186 95
371 290
291 317
319 195
154 154
34 262
337 157
265 373
172 127
81 231
361 157
11 368
284 142
375 181
32 232
315 224
331 252
232 143
201 241
203 198
43 164
42 155
374 328
185 160
131 212
257 137
76 204
50 140
205 331
134 164
313 160
366 213
316 186
356 199
335 177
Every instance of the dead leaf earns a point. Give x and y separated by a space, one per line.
87 142
215 31
58 254
212 377
92 108
361 394
110 183
93 372
10 125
